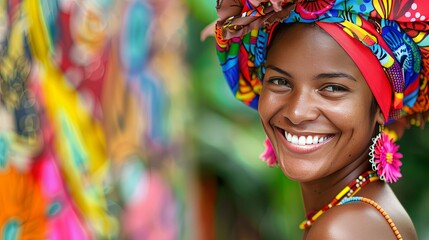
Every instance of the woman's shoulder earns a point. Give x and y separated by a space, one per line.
359 220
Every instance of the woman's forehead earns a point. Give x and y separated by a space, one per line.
305 44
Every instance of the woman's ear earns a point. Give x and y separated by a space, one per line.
379 116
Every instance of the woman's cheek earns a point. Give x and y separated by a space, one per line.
267 103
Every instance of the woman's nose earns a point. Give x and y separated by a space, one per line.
301 106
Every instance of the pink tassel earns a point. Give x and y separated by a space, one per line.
268 155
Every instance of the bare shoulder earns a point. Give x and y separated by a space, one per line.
357 220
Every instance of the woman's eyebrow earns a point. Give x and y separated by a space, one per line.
335 75
279 70
320 76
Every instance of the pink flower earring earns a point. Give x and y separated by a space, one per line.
269 155
385 158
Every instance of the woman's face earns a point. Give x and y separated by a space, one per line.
315 105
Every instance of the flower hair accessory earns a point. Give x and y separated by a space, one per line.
385 158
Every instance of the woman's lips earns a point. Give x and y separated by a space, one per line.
304 143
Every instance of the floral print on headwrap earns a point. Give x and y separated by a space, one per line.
395 32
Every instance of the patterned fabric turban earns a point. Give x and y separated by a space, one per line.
387 39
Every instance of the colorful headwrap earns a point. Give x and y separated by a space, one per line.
394 31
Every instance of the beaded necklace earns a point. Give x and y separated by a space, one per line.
379 208
349 191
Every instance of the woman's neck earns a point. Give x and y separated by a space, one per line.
317 194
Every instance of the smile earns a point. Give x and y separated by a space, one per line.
305 139
304 143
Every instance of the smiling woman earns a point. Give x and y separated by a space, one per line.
328 101
319 121
326 76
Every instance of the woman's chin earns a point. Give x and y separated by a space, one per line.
300 173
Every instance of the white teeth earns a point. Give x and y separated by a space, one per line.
316 140
289 137
304 140
301 140
309 140
294 139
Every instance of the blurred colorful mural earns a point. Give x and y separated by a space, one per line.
116 123
90 144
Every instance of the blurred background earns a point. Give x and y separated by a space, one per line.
116 123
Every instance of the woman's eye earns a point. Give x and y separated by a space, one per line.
335 88
279 81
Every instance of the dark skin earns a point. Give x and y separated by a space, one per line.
313 90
